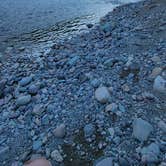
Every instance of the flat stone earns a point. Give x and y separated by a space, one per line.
105 162
23 100
33 89
37 145
102 95
141 129
152 148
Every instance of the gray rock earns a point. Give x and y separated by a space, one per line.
95 83
141 129
105 162
23 100
25 81
33 89
89 130
102 94
60 131
1 58
152 148
162 126
149 158
37 145
159 85
55 155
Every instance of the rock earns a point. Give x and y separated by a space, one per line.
37 145
123 162
95 83
141 129
38 109
33 89
25 81
23 100
102 94
60 131
152 148
2 87
105 162
73 60
149 158
155 72
159 85
21 48
89 130
162 126
38 162
112 108
55 155
2 58
111 132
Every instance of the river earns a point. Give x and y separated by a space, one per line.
19 17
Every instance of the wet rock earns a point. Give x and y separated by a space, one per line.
159 85
60 131
102 94
25 81
105 162
23 100
55 155
89 130
112 108
141 129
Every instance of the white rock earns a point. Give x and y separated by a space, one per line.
55 155
141 129
102 94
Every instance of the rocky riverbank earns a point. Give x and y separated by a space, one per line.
97 98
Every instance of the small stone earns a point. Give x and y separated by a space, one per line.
89 25
159 85
25 81
111 108
33 89
125 88
37 145
102 95
155 72
123 162
60 131
55 155
141 129
23 100
105 162
1 58
162 126
73 60
89 130
149 158
21 48
95 83
111 132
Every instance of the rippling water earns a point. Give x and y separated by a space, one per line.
39 23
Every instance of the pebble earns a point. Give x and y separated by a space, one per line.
23 100
105 162
55 155
141 129
102 94
112 108
152 148
60 131
33 89
25 81
89 130
37 145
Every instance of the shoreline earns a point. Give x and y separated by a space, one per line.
97 97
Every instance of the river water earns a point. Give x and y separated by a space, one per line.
49 17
